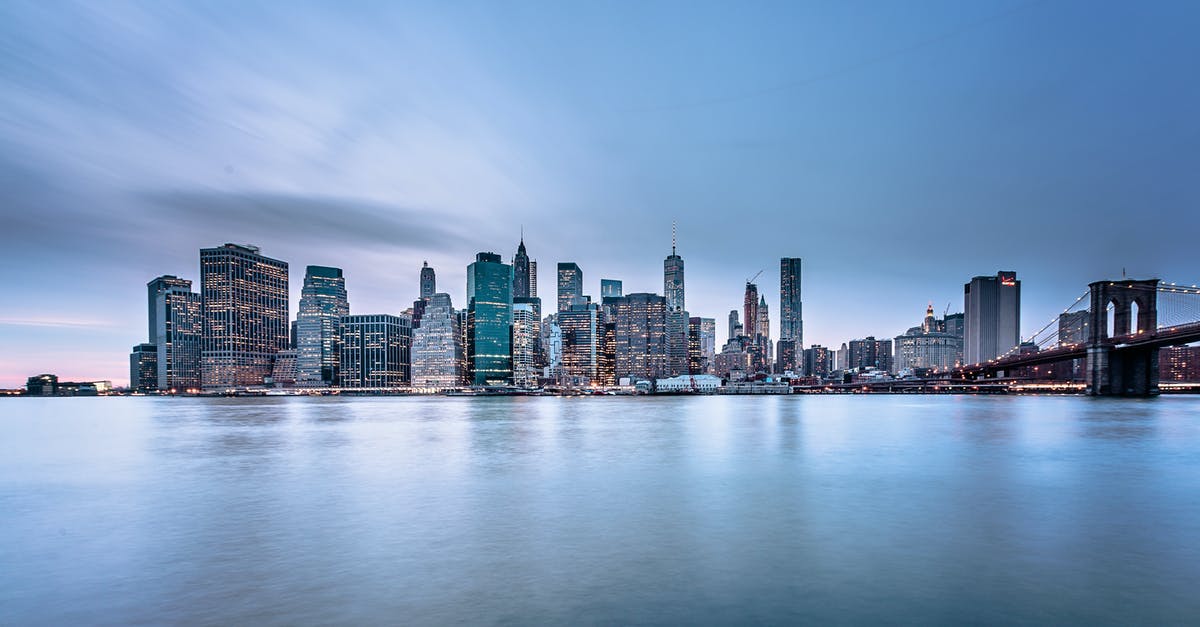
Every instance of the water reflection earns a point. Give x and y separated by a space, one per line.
674 510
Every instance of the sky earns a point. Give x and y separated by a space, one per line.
899 148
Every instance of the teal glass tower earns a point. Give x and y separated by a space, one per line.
489 325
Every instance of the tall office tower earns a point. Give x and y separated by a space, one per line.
489 306
733 324
708 342
673 278
464 341
245 298
437 350
526 342
153 289
791 308
143 369
608 350
533 278
522 279
640 336
697 360
570 284
610 288
428 282
677 343
323 302
376 351
992 321
870 353
552 347
582 334
179 316
763 326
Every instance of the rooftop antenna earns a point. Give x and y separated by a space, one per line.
672 237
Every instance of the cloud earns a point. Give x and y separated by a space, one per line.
300 219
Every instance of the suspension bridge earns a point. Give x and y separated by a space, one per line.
1109 338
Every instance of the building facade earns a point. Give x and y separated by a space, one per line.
489 306
323 303
178 338
992 320
437 349
245 296
143 369
791 309
582 328
570 284
640 336
526 339
376 351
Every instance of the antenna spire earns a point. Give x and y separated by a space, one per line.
672 237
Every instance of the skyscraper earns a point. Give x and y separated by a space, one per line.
610 288
437 350
323 303
701 344
526 340
522 273
153 289
570 284
640 336
673 278
428 281
178 337
533 293
992 320
733 324
708 342
750 310
245 298
582 333
489 306
791 308
376 351
676 343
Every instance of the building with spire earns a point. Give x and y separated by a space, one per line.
428 281
673 278
677 316
523 281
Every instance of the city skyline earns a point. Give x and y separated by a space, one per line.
898 153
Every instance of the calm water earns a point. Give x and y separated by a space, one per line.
568 511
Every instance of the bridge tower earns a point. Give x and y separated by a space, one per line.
1125 371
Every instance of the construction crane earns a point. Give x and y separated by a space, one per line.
751 279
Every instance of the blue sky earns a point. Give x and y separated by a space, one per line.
899 148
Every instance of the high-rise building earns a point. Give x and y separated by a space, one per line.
733 324
245 298
673 279
533 293
376 351
552 347
437 349
284 371
870 353
992 324
762 332
816 361
953 324
677 343
640 336
927 346
143 368
522 273
708 341
526 339
610 288
570 284
786 359
153 289
582 335
791 307
698 361
750 310
428 281
179 316
489 336
323 303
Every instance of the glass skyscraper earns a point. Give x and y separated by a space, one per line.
437 350
245 298
791 310
526 340
640 336
323 302
992 324
570 284
179 316
489 306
